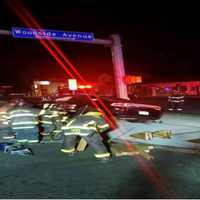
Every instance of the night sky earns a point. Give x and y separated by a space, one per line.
160 42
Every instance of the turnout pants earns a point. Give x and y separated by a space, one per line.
174 105
31 135
94 140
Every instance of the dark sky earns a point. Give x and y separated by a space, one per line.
160 42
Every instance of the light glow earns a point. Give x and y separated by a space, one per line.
72 83
44 82
146 113
85 86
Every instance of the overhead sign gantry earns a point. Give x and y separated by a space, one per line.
114 42
51 34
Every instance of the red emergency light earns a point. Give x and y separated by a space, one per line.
132 79
85 86
43 82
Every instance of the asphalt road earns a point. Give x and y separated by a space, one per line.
51 174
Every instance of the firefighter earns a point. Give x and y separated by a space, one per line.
4 113
88 125
58 117
3 117
176 101
50 121
5 130
46 120
23 121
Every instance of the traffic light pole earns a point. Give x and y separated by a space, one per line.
117 58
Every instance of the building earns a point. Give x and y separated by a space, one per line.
59 88
6 90
189 88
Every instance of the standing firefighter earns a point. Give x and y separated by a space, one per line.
57 117
5 131
176 101
23 121
61 118
88 126
4 112
46 120
50 121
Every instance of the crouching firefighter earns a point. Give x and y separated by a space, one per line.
88 125
23 121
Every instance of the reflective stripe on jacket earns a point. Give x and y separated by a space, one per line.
3 116
4 112
84 124
176 99
46 117
23 118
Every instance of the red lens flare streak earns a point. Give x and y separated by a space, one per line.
111 119
25 16
46 45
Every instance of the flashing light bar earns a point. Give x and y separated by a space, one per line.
85 86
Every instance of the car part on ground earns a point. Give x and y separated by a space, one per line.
149 135
121 149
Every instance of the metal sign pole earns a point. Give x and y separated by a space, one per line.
117 58
119 70
5 32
